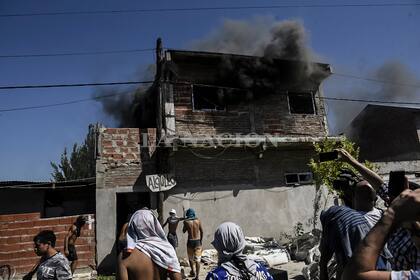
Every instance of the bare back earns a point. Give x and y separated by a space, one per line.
138 266
72 235
193 227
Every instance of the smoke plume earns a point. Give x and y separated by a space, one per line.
398 81
261 36
128 106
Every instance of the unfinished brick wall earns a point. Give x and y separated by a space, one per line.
120 156
210 167
18 230
270 114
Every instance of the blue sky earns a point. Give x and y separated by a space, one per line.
354 40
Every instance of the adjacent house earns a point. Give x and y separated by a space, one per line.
390 137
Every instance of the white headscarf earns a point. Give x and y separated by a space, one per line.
229 241
146 234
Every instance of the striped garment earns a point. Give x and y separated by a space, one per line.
344 228
405 254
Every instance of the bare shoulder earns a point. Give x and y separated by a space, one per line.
73 228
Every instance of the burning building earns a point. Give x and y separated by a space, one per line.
231 136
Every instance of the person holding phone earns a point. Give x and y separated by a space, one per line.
404 210
400 244
344 227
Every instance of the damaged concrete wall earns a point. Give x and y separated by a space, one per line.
240 187
260 212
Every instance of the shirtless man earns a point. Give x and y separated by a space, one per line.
195 240
70 240
172 222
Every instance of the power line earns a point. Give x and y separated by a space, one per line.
75 85
221 8
369 101
148 82
60 103
76 53
377 80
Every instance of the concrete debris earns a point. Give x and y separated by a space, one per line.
299 248
262 250
209 256
266 251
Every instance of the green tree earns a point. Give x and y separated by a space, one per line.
80 163
326 172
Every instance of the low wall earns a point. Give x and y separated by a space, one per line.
269 212
18 230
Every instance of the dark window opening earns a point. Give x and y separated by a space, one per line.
301 103
298 178
208 98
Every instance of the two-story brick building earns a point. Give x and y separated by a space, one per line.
235 132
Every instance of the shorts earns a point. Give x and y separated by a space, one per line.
194 250
173 239
72 253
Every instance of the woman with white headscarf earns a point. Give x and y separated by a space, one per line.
149 255
229 241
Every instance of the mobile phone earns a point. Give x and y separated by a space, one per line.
396 183
328 156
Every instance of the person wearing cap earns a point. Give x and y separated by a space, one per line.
70 240
172 223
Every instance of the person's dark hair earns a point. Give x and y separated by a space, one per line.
81 220
45 237
243 270
345 183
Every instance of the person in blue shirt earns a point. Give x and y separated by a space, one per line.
229 241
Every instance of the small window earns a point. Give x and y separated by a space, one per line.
298 178
208 98
292 179
301 103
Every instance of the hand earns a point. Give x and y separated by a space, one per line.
27 277
343 155
66 253
406 207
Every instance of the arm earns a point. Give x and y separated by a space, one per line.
201 233
66 240
184 228
31 273
374 179
165 223
362 265
405 207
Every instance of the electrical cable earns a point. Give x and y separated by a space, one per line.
76 53
217 8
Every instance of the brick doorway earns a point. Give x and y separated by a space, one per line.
128 203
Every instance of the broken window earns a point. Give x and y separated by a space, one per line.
301 103
298 178
207 98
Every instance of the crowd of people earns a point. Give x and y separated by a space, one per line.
366 242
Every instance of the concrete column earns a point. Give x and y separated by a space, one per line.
106 220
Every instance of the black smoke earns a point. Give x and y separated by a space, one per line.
393 81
